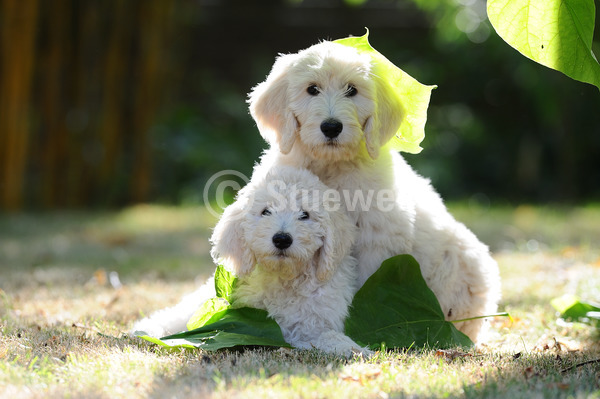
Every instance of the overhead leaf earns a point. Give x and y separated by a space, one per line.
395 307
413 95
554 33
572 308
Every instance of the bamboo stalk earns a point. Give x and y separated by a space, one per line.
83 91
111 129
18 31
53 148
153 27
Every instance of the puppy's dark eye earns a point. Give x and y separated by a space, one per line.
351 91
266 212
313 90
304 216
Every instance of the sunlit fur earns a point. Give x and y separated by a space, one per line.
307 287
456 265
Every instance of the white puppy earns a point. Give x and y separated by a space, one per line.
290 247
325 109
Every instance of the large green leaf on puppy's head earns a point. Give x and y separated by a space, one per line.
412 95
395 307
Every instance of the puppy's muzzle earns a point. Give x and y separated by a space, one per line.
331 128
282 240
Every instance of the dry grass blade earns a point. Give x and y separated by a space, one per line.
580 365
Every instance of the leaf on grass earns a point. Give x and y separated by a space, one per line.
218 325
395 307
232 327
225 282
555 33
412 95
165 343
571 308
206 311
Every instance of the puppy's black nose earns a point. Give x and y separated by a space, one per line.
282 240
331 128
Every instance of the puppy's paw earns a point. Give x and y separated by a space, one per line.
149 327
363 352
336 342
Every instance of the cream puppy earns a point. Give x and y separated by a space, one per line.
290 247
326 109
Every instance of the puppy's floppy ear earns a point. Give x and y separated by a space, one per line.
386 119
228 242
340 234
269 106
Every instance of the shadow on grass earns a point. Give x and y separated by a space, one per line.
547 375
420 373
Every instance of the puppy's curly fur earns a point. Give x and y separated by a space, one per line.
290 247
326 110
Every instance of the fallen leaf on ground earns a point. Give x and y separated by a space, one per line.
363 376
546 343
451 354
563 386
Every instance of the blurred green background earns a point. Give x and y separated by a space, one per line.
109 103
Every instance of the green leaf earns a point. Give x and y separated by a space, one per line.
215 340
413 95
232 327
224 283
216 325
166 344
396 308
355 3
554 33
571 308
206 311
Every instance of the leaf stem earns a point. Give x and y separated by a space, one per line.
502 314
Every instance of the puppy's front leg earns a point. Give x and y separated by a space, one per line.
174 319
318 332
383 234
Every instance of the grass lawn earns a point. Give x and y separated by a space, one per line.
71 285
